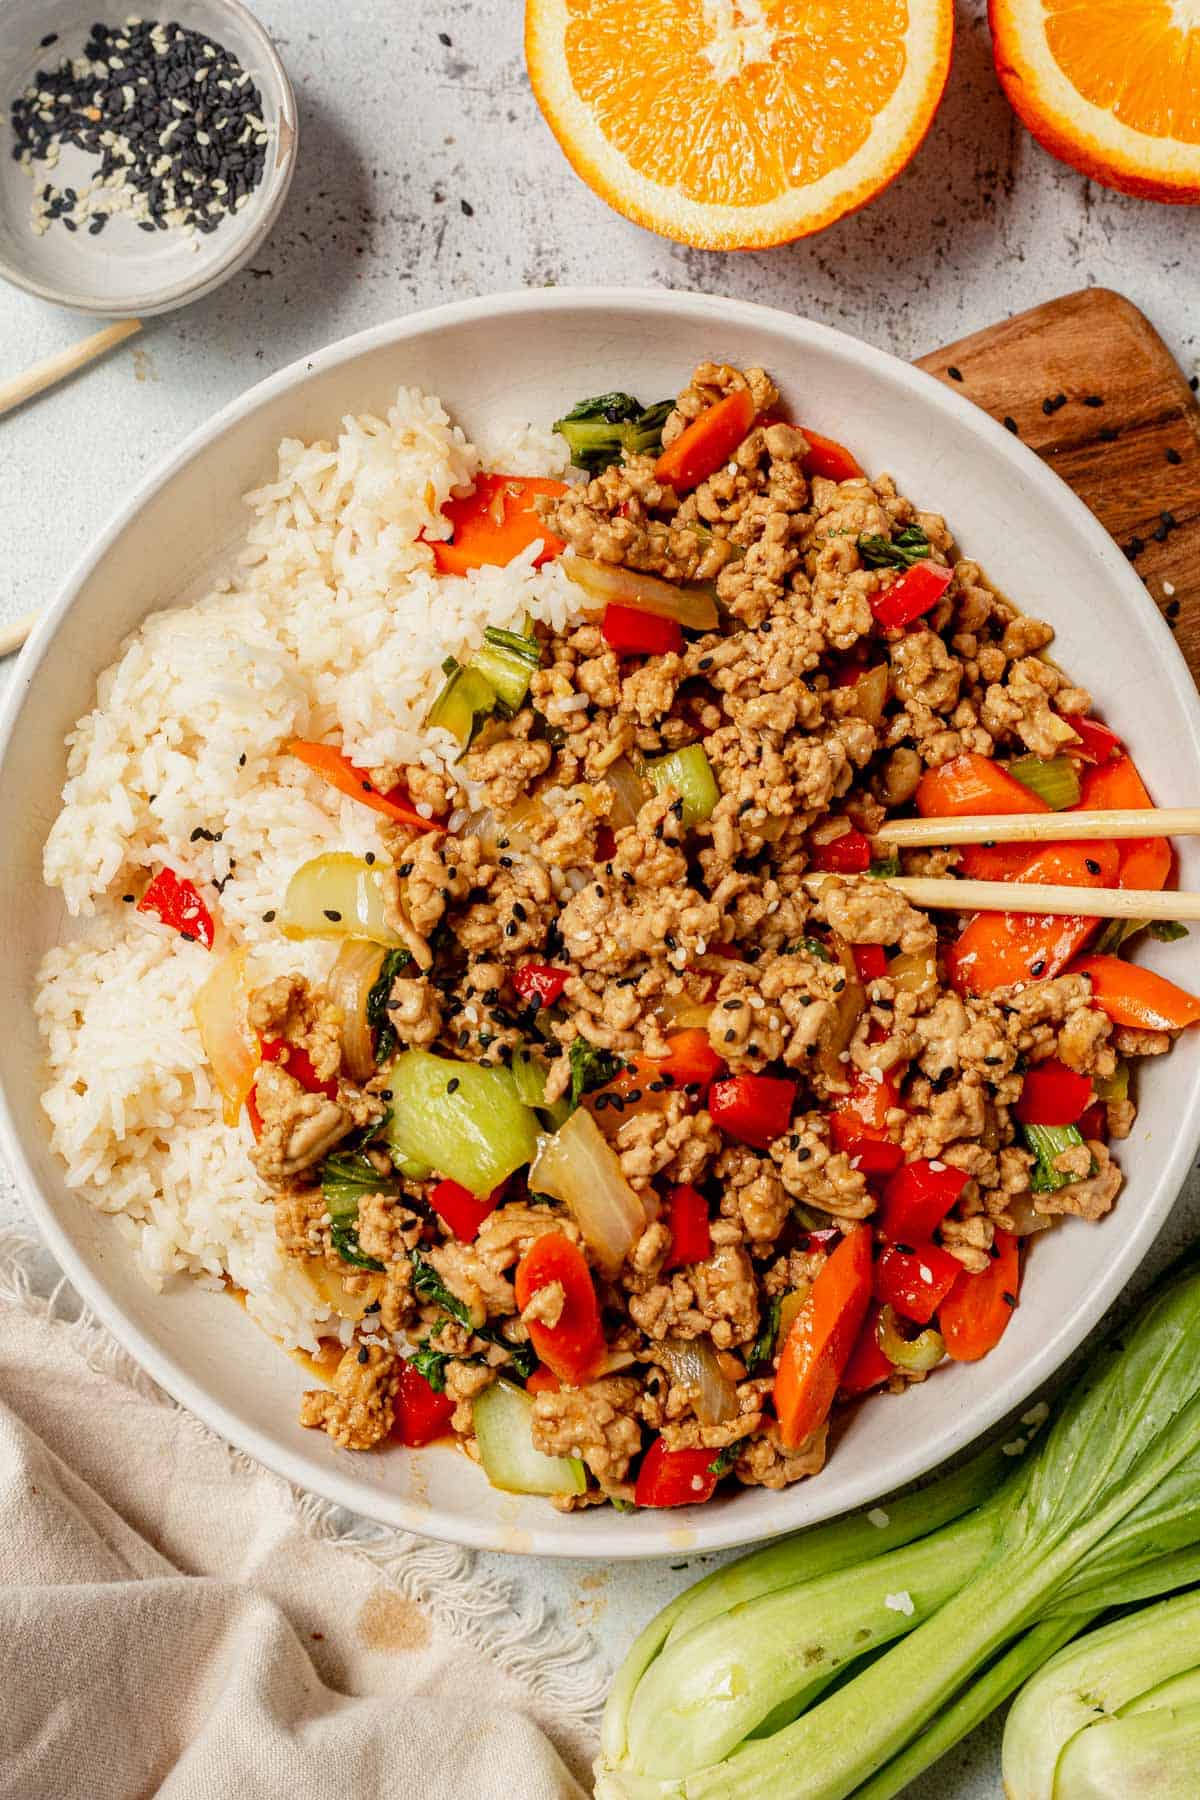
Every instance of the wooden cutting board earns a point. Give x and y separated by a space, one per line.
1087 382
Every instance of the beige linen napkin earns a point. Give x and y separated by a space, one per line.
174 1620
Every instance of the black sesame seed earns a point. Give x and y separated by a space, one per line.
1092 400
1174 608
1092 866
731 1005
364 1355
510 930
803 1153
453 1085
1194 383
444 38
953 373
468 209
731 1037
1010 424
1008 1299
128 899
1169 520
1174 457
1159 534
242 760
1038 967
369 857
268 918
404 870
51 37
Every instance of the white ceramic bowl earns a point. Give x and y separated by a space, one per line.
123 272
528 356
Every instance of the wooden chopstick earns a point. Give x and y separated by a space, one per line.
14 633
19 388
1028 897
1034 828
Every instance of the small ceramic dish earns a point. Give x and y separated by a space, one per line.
495 361
122 272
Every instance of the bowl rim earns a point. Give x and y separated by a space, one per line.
721 1531
277 182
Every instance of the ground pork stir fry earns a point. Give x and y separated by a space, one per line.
662 1082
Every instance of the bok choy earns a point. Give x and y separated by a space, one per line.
844 1661
1114 1716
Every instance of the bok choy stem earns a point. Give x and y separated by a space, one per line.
1106 1510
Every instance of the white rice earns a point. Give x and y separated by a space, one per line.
335 625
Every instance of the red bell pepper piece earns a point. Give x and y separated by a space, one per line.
975 1313
707 442
173 899
870 962
495 523
849 854
675 1477
911 594
755 1109
917 1199
421 1414
997 949
823 1333
1137 997
868 1367
631 632
971 784
1052 1094
1142 862
296 1060
541 982
687 1221
1094 1122
349 779
606 843
873 1156
1097 743
915 1279
573 1347
463 1211
863 1111
543 1381
828 458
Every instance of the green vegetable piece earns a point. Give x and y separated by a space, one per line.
1053 779
909 546
506 673
377 1014
1114 1086
431 1364
816 948
429 1286
763 1348
459 1118
529 1079
345 1241
591 1068
885 865
345 1177
723 1461
1047 1142
688 773
465 702
1167 931
1089 1723
602 429
521 644
503 1419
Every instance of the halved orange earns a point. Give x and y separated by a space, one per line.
1110 86
734 124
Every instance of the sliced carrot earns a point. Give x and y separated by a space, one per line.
496 523
997 949
1137 997
829 458
996 862
707 442
822 1337
348 778
970 784
1144 862
975 1313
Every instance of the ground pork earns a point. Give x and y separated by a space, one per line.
596 1422
358 1413
290 1009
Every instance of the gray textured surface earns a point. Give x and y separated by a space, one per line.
426 173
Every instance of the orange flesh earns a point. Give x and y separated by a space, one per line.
773 125
1132 59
